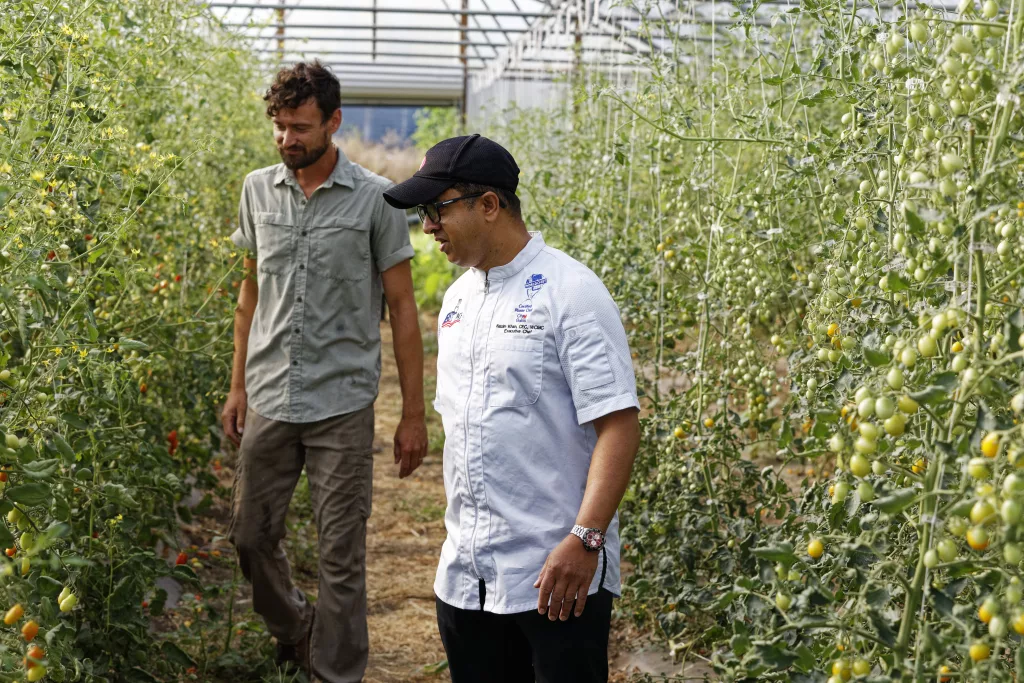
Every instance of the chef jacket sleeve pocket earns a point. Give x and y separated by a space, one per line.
587 353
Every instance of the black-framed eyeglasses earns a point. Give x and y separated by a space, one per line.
433 211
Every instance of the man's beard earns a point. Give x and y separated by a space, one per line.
303 158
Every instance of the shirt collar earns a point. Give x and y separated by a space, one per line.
521 260
342 174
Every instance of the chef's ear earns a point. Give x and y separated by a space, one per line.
491 205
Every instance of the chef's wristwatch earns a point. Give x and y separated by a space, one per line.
593 539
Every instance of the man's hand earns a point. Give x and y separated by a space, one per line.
565 578
410 445
233 416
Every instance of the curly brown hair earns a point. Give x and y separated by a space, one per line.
294 86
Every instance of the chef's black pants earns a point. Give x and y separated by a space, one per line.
527 647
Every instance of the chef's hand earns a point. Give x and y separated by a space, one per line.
566 578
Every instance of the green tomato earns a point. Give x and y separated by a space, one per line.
1012 554
865 446
947 548
878 467
836 444
839 492
919 32
997 627
962 44
894 378
884 408
860 466
908 357
866 408
959 363
927 346
895 425
868 431
866 491
1010 512
957 526
931 559
981 512
978 468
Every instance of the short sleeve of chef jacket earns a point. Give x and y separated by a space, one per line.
593 350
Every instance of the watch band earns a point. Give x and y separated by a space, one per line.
593 539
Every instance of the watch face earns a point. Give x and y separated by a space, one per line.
594 538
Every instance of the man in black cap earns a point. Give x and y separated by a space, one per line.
536 391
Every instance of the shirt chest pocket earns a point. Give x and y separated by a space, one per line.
341 249
275 237
515 372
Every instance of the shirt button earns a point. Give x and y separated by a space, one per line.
295 362
302 267
298 332
300 299
303 233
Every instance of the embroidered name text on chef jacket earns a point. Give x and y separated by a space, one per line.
529 354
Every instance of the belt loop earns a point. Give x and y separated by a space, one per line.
604 567
483 594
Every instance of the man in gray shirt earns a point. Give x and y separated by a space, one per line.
323 248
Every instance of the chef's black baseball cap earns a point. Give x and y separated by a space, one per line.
466 159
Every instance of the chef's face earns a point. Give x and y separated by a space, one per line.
462 231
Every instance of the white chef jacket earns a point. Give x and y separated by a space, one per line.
529 354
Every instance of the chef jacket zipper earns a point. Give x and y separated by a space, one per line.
465 424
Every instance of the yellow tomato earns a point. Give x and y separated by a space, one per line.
919 466
709 423
679 433
977 538
833 329
980 651
990 446
815 548
1018 623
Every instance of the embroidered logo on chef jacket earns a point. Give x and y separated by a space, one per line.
534 283
454 316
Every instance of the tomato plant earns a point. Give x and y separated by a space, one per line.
126 130
812 227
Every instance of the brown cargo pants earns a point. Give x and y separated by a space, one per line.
337 455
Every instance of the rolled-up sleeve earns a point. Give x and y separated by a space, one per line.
245 234
389 237
594 353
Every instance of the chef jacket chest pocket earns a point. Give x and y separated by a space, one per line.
274 243
515 372
341 249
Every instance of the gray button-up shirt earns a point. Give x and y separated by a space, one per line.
314 345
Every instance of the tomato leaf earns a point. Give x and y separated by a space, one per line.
875 358
896 502
6 537
931 395
131 344
74 420
64 448
781 552
29 494
914 221
176 655
40 469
